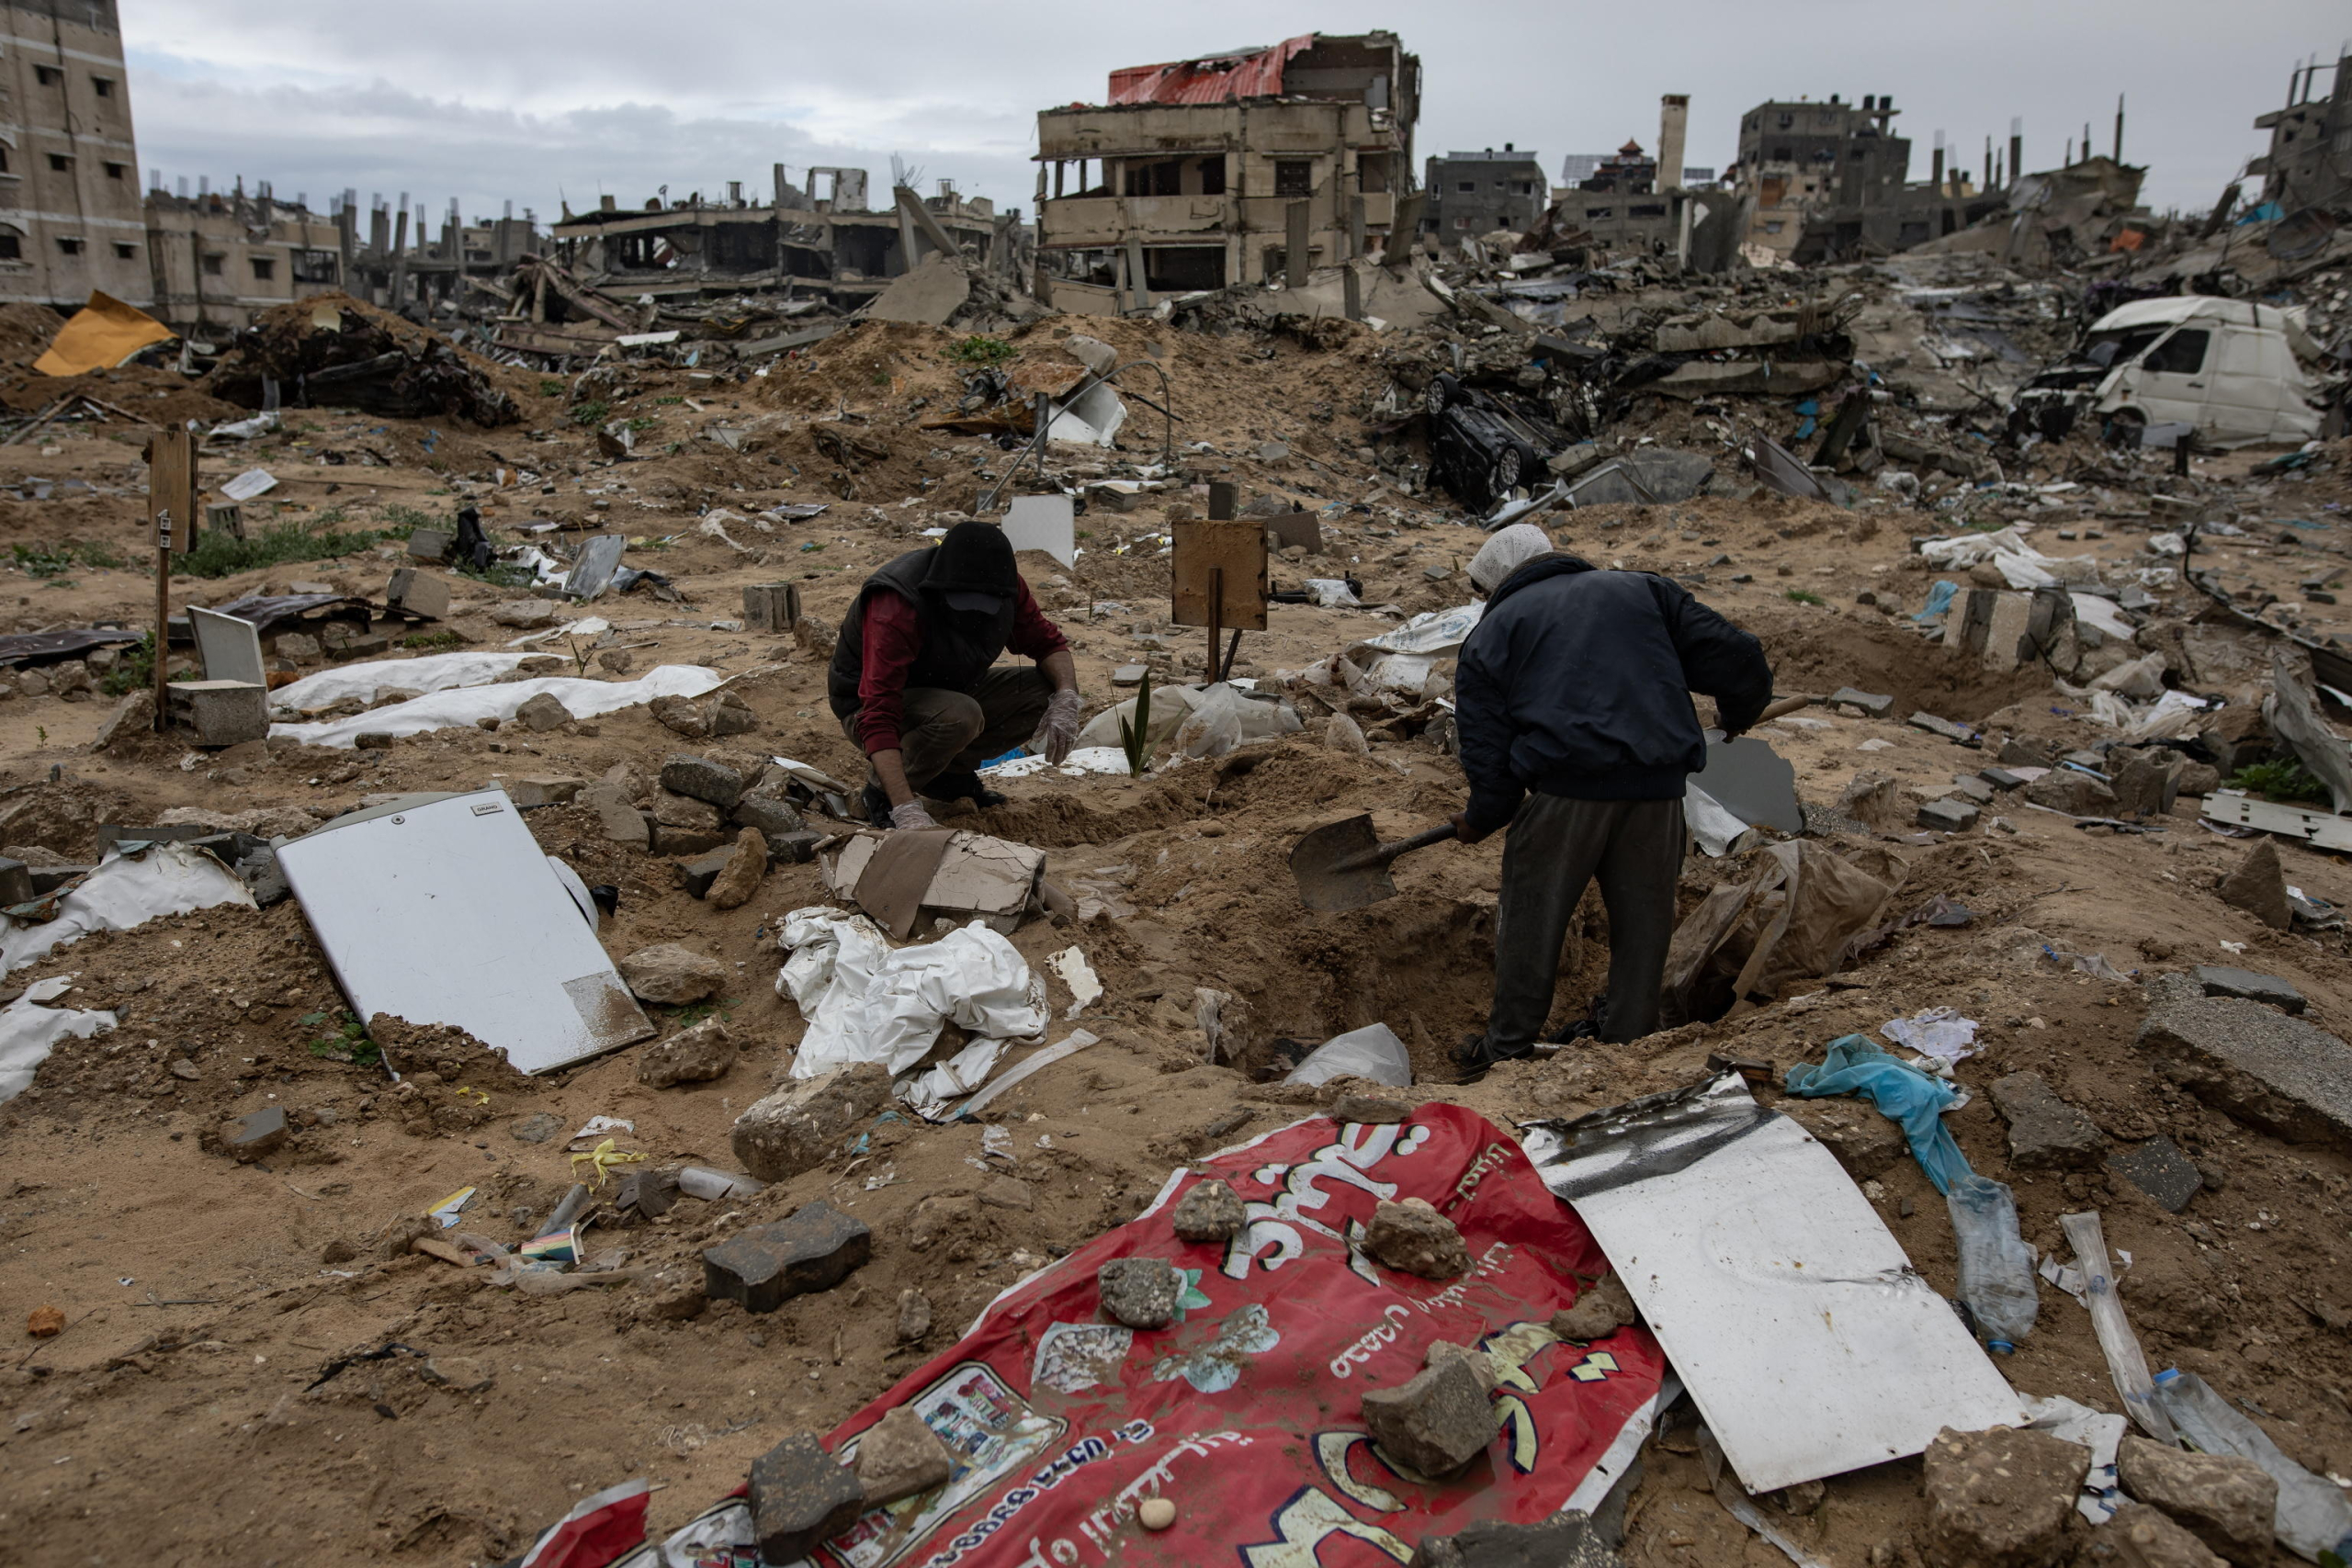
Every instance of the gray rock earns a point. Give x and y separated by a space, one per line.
1871 703
765 1266
1958 733
1139 1292
1009 1193
1481 1365
792 849
2026 751
2000 1498
2001 778
728 714
2226 1502
773 817
535 1129
800 1125
622 822
2259 887
2076 794
1949 815
1603 1308
1564 1541
1129 674
543 713
697 873
2139 1536
691 1056
899 1457
1413 1237
687 840
739 877
2158 1168
1210 1212
800 1495
673 976
2147 786
1973 788
914 1317
253 1136
704 780
1435 1424
2220 980
671 810
2045 1132
2280 1074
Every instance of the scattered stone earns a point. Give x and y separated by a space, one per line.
900 1457
250 1137
1436 1424
133 715
800 1495
673 976
1948 815
792 849
1564 1541
1975 788
914 1317
800 1125
1869 702
2220 980
2259 887
1210 1212
1601 1309
536 1128
1129 674
2147 786
459 1374
728 714
2284 1076
1481 1365
674 810
767 1265
746 867
2045 1132
2226 1502
296 647
1342 733
691 1056
1009 1193
2076 794
1413 1237
1154 1513
1958 733
2139 1536
774 818
523 613
679 715
1873 799
2001 778
1368 1110
697 873
543 713
685 840
702 779
2198 780
2158 1168
544 790
45 1323
2026 751
616 661
622 822
2000 1498
373 740
185 1069
1139 1292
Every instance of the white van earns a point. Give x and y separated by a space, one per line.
2229 367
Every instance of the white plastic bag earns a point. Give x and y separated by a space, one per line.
867 1003
1373 1052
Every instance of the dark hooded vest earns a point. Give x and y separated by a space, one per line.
951 658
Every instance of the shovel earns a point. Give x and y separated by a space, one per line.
1345 865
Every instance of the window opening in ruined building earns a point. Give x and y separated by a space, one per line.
124 250
102 85
1180 269
1372 172
12 248
48 76
70 246
1293 176
264 268
315 266
1647 209
117 171
59 161
1467 186
212 266
5 167
1213 177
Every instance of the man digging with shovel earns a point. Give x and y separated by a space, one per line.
1577 732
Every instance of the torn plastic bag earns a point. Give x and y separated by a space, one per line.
2093 1430
28 1032
1245 1408
2312 1515
1792 920
128 890
865 1003
1431 632
928 1093
1224 716
1373 1052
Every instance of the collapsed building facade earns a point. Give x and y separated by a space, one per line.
1245 167
69 167
1476 193
2309 160
1631 203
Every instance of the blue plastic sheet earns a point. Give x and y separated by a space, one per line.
1913 1100
1940 599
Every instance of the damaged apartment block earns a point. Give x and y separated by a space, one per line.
1250 167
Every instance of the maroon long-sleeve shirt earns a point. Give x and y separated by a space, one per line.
893 636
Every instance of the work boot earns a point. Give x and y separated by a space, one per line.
877 806
964 785
1589 1027
1476 1057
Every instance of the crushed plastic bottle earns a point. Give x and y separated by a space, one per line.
1995 1270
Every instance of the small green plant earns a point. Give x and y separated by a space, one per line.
591 413
1135 734
669 399
2282 779
432 642
642 421
134 669
1805 596
396 520
56 560
979 349
551 388
346 1041
42 731
700 1012
224 555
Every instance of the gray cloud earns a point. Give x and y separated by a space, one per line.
537 102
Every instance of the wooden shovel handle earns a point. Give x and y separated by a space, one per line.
1382 854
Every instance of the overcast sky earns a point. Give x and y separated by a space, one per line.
537 102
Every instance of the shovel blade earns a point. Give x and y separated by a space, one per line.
1315 858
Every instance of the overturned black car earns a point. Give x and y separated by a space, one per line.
1480 449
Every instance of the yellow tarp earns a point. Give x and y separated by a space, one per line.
101 334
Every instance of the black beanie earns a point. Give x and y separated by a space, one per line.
974 557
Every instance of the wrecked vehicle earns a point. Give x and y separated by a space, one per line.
1479 448
2229 369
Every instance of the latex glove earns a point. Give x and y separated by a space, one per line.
910 815
1064 710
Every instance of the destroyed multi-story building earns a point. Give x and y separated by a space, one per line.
1830 180
1244 167
69 169
821 242
2310 161
1469 193
1628 202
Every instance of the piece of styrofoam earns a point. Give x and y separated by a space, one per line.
229 647
1047 523
447 912
1806 1338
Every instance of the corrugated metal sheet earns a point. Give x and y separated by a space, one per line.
1216 79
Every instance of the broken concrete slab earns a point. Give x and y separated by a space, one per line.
1871 703
2277 1073
2225 1501
934 291
2140 1536
774 818
1601 1309
2076 794
251 1136
800 1495
765 1266
2259 887
2147 787
1210 1212
699 778
1414 1238
2159 1168
2045 1132
1139 1292
692 1056
1948 815
621 821
800 1125
900 1457
2220 980
673 976
697 873
2001 1498
1435 1424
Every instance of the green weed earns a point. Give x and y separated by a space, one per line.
57 559
551 388
2283 779
348 1042
222 554
591 413
1803 596
979 349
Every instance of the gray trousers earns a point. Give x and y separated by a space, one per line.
943 731
1555 847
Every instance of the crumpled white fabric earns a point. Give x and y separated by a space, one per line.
867 1003
126 891
371 678
458 708
1940 1032
2020 564
28 1032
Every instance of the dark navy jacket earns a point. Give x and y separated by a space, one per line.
1576 683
